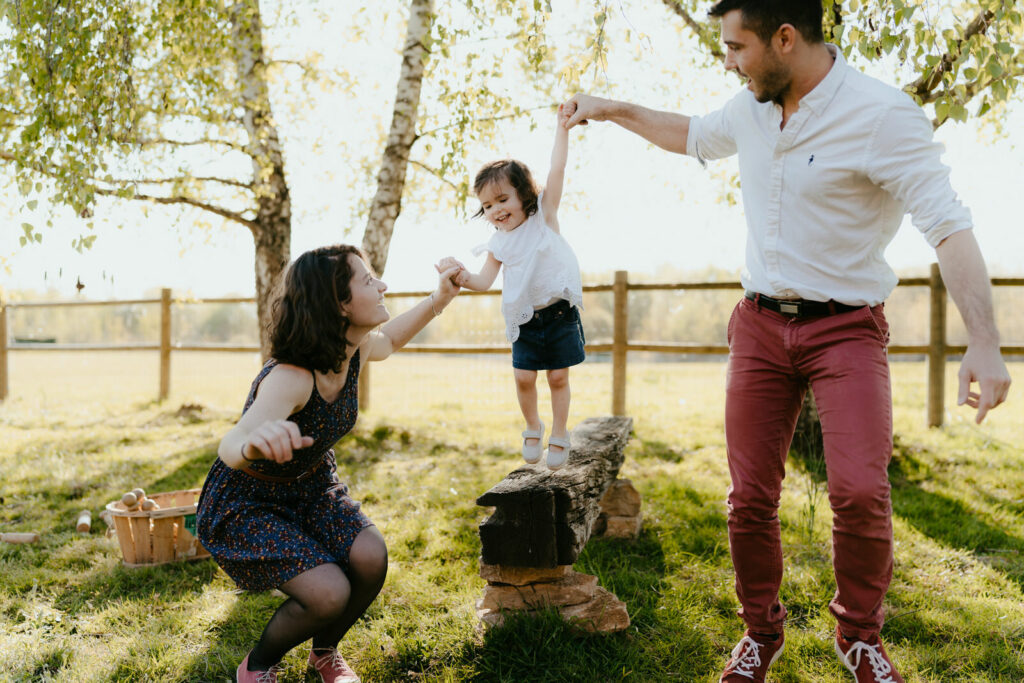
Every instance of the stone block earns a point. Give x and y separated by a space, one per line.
605 613
521 576
621 499
573 589
622 527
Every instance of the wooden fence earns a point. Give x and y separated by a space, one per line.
936 350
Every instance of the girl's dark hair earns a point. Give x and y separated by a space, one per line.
764 17
517 175
308 327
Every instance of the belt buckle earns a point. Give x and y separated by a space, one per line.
789 307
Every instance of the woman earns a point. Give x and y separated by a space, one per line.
272 512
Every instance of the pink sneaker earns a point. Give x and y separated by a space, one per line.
243 675
751 658
332 667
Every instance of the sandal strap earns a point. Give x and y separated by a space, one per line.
534 433
559 441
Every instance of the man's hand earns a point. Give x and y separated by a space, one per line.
582 108
986 367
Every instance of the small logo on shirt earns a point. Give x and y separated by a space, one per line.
811 160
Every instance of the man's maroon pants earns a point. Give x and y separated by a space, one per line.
842 357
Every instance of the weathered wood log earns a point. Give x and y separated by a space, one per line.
544 518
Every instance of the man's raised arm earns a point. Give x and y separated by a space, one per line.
665 129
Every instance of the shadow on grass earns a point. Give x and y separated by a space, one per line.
103 585
938 643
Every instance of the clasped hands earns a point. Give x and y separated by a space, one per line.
460 277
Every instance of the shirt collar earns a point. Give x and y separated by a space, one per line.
822 94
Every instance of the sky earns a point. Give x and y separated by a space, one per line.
627 205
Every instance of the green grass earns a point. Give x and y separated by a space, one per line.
439 433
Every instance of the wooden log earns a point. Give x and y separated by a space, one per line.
544 518
19 537
84 522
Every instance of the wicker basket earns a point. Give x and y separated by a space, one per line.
152 537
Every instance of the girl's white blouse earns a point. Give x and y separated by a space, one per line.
537 267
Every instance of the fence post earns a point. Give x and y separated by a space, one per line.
620 330
936 348
165 343
363 389
3 351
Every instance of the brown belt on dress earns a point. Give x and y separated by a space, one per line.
284 480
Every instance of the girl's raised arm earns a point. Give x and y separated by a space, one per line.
397 332
556 175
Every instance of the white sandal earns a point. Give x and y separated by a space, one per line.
531 454
556 459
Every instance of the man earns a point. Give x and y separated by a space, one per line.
830 161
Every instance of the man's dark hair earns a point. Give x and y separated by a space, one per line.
518 176
308 328
764 17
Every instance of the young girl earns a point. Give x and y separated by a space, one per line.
272 511
541 289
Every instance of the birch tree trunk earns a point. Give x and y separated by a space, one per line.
271 229
387 202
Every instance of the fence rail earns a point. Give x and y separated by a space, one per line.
937 349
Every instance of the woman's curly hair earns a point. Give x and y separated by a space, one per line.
308 328
518 176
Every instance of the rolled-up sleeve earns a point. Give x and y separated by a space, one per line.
710 136
904 159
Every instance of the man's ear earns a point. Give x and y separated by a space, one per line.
785 38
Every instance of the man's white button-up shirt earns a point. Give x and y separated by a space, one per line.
825 195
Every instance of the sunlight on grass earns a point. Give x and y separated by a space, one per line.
81 428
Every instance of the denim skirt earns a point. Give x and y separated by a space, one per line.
551 340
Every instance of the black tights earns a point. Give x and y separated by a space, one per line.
324 602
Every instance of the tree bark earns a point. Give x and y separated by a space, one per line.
544 518
271 229
387 202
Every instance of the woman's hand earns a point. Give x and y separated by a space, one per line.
448 282
274 440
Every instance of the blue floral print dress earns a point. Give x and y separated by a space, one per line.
263 533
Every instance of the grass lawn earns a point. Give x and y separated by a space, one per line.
82 428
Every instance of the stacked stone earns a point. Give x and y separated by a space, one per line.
620 511
541 522
577 597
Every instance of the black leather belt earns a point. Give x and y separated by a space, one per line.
799 308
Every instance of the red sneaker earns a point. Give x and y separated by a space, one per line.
751 658
243 675
866 660
332 667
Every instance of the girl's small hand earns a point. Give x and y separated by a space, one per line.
275 440
448 262
565 112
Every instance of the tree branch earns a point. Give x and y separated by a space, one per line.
187 143
697 28
432 131
923 86
434 172
225 213
160 181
